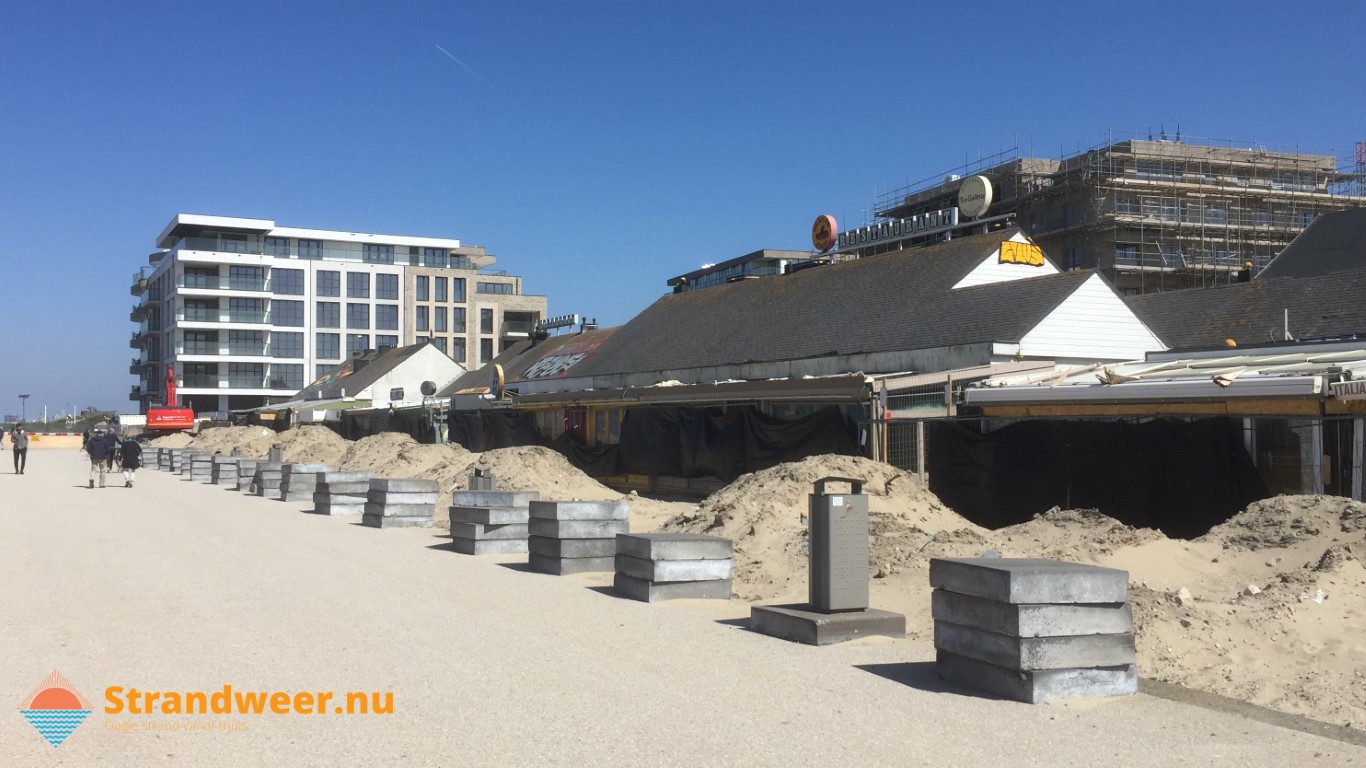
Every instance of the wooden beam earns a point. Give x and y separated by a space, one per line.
1239 408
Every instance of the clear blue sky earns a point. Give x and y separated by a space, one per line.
596 148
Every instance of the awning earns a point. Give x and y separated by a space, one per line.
824 389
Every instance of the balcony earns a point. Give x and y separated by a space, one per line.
135 367
135 394
518 328
138 340
315 250
139 285
155 258
219 283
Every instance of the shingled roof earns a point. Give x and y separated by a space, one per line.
903 300
1325 306
1333 242
518 357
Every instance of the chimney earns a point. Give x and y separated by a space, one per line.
588 325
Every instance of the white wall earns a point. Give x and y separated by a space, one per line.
427 364
1094 324
990 270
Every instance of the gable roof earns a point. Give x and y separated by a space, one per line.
1331 243
1254 313
902 300
522 355
357 373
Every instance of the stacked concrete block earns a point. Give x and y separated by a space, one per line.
298 482
1033 630
266 482
169 460
201 468
225 470
486 522
400 503
246 470
575 536
341 493
668 566
178 459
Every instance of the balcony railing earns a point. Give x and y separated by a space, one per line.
199 382
331 252
518 326
220 283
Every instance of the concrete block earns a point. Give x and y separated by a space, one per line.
674 570
799 624
401 497
1029 580
287 494
488 546
649 592
487 532
298 469
346 477
579 510
489 515
578 529
268 493
224 472
1031 620
404 485
359 488
1029 653
334 508
394 521
561 566
674 546
551 547
321 497
1036 686
400 510
493 498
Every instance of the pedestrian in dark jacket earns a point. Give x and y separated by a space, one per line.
19 442
130 458
101 446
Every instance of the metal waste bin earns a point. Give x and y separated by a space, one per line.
838 548
277 454
481 479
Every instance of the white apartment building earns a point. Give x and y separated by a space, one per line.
246 313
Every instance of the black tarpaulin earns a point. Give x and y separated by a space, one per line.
480 431
594 460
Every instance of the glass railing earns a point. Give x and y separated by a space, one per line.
517 326
219 283
200 382
247 316
332 252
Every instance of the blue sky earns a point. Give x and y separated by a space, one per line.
596 148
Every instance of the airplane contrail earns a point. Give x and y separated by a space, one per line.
480 77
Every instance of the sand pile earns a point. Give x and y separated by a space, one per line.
310 444
394 454
1283 520
249 441
542 469
175 440
1070 534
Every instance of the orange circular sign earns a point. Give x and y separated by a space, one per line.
824 233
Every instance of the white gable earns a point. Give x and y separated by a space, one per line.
1093 323
992 271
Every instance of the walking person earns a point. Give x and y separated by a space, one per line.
18 439
102 443
130 458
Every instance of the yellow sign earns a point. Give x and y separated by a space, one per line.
1021 253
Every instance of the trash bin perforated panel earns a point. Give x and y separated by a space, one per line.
839 549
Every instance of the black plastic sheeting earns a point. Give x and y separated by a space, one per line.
1180 477
481 431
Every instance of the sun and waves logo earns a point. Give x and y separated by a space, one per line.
55 708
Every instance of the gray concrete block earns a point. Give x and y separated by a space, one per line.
319 497
346 477
290 495
489 515
1031 620
1029 653
400 510
358 488
404 485
493 498
1036 686
649 592
395 521
487 532
268 493
561 566
488 546
300 469
579 510
674 570
334 508
551 547
799 624
401 497
674 546
224 473
579 529
1029 580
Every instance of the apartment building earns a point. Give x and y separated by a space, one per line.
246 312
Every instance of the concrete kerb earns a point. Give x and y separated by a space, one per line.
1029 580
674 546
579 510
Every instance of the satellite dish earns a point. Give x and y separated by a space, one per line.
428 388
496 381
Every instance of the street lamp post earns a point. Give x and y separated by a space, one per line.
23 408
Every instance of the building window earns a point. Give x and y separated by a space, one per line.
439 319
286 344
201 342
378 254
322 369
200 374
201 277
422 288
386 317
434 257
310 249
246 311
485 350
499 288
288 282
246 375
385 341
232 243
277 246
287 313
420 318
201 310
440 343
386 287
329 314
329 346
245 343
458 289
288 376
440 289
246 278
357 342
329 283
357 315
1126 254
358 285
1074 257
486 321
458 319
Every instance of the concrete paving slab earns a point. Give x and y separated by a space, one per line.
334 476
489 515
563 566
488 532
400 510
319 497
579 510
552 547
488 546
799 624
674 546
652 592
349 488
335 508
395 521
579 529
401 497
1038 686
1029 653
674 570
1031 620
404 485
493 498
299 469
1029 580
